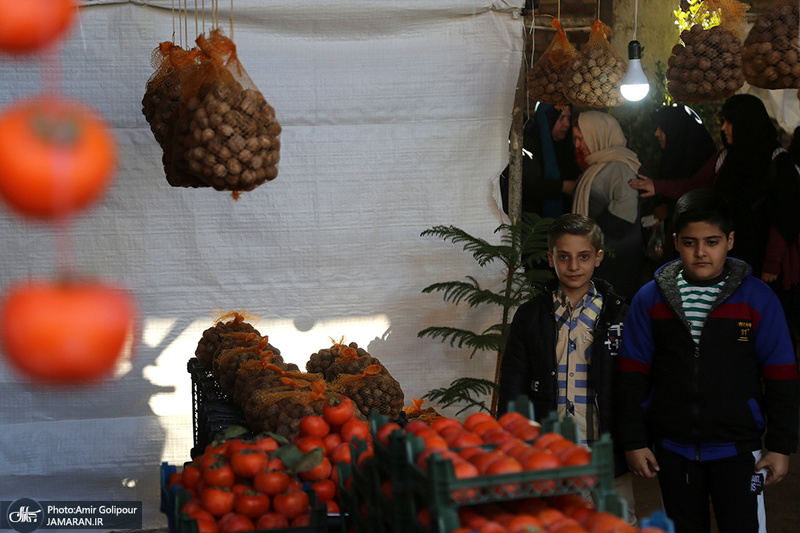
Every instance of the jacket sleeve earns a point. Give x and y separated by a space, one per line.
779 374
515 369
632 380
702 179
786 198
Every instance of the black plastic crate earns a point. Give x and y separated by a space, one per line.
212 411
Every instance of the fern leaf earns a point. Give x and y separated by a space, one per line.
465 391
482 251
469 292
454 336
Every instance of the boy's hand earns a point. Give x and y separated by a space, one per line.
643 463
777 464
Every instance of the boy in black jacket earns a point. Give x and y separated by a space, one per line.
706 366
562 343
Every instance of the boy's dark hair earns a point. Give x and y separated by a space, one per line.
702 205
575 224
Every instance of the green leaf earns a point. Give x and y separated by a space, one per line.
309 460
235 432
280 439
289 454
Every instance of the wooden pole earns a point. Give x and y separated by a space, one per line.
514 178
515 147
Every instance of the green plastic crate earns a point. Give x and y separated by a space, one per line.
358 495
438 487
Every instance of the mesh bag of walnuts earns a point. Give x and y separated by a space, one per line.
707 64
160 104
280 411
228 363
593 78
225 129
235 339
545 82
322 360
770 51
416 412
372 390
351 360
226 322
265 374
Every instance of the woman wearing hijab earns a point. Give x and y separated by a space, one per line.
685 142
602 193
686 145
549 167
760 181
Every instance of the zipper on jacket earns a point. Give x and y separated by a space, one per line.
695 393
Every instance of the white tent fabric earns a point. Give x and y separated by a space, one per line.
395 118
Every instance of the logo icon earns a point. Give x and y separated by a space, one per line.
25 515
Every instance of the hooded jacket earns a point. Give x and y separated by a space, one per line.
715 399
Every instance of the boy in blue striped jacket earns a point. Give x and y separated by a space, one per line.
705 372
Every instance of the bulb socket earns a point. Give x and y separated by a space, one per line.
634 50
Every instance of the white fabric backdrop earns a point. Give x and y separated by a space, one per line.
395 118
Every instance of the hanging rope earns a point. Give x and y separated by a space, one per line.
173 21
635 18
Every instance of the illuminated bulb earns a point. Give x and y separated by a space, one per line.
635 85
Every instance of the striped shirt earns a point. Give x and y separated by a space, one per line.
575 325
697 301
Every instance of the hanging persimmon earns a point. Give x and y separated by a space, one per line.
65 332
30 25
57 156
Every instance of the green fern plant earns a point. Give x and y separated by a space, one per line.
522 256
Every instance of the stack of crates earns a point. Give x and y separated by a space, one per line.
212 411
442 494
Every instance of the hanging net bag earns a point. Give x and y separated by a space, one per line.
160 105
593 78
707 64
771 52
545 78
226 129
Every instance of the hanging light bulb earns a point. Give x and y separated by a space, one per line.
635 85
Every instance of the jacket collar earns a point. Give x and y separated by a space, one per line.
666 278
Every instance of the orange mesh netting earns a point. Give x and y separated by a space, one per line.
707 64
226 129
545 78
593 78
372 390
771 52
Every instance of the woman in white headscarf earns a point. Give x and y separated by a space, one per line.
603 193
